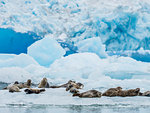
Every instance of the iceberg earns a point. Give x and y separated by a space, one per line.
46 51
93 45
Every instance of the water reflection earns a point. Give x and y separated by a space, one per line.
72 109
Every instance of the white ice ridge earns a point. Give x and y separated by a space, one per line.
10 60
86 66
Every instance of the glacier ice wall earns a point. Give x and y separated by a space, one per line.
121 25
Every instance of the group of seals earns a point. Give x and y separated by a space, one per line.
15 87
73 88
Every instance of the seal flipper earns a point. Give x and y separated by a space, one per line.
42 90
76 94
4 88
47 85
28 91
140 94
54 87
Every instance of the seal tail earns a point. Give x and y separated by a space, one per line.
76 94
42 90
140 94
4 88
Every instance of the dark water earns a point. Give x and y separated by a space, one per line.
2 85
72 109
15 42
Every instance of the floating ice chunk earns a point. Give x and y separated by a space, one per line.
21 60
93 45
46 51
76 65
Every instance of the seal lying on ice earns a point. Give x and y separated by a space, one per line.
20 85
112 92
130 92
31 91
123 93
74 85
68 84
23 85
13 88
147 93
72 88
43 83
63 85
89 94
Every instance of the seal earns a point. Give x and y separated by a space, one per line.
43 83
147 93
73 85
72 89
23 85
14 88
20 85
31 91
130 92
89 94
63 85
112 92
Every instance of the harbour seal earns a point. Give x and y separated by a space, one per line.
112 92
63 85
43 83
89 94
130 92
14 88
20 85
74 85
31 91
72 89
147 93
23 85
